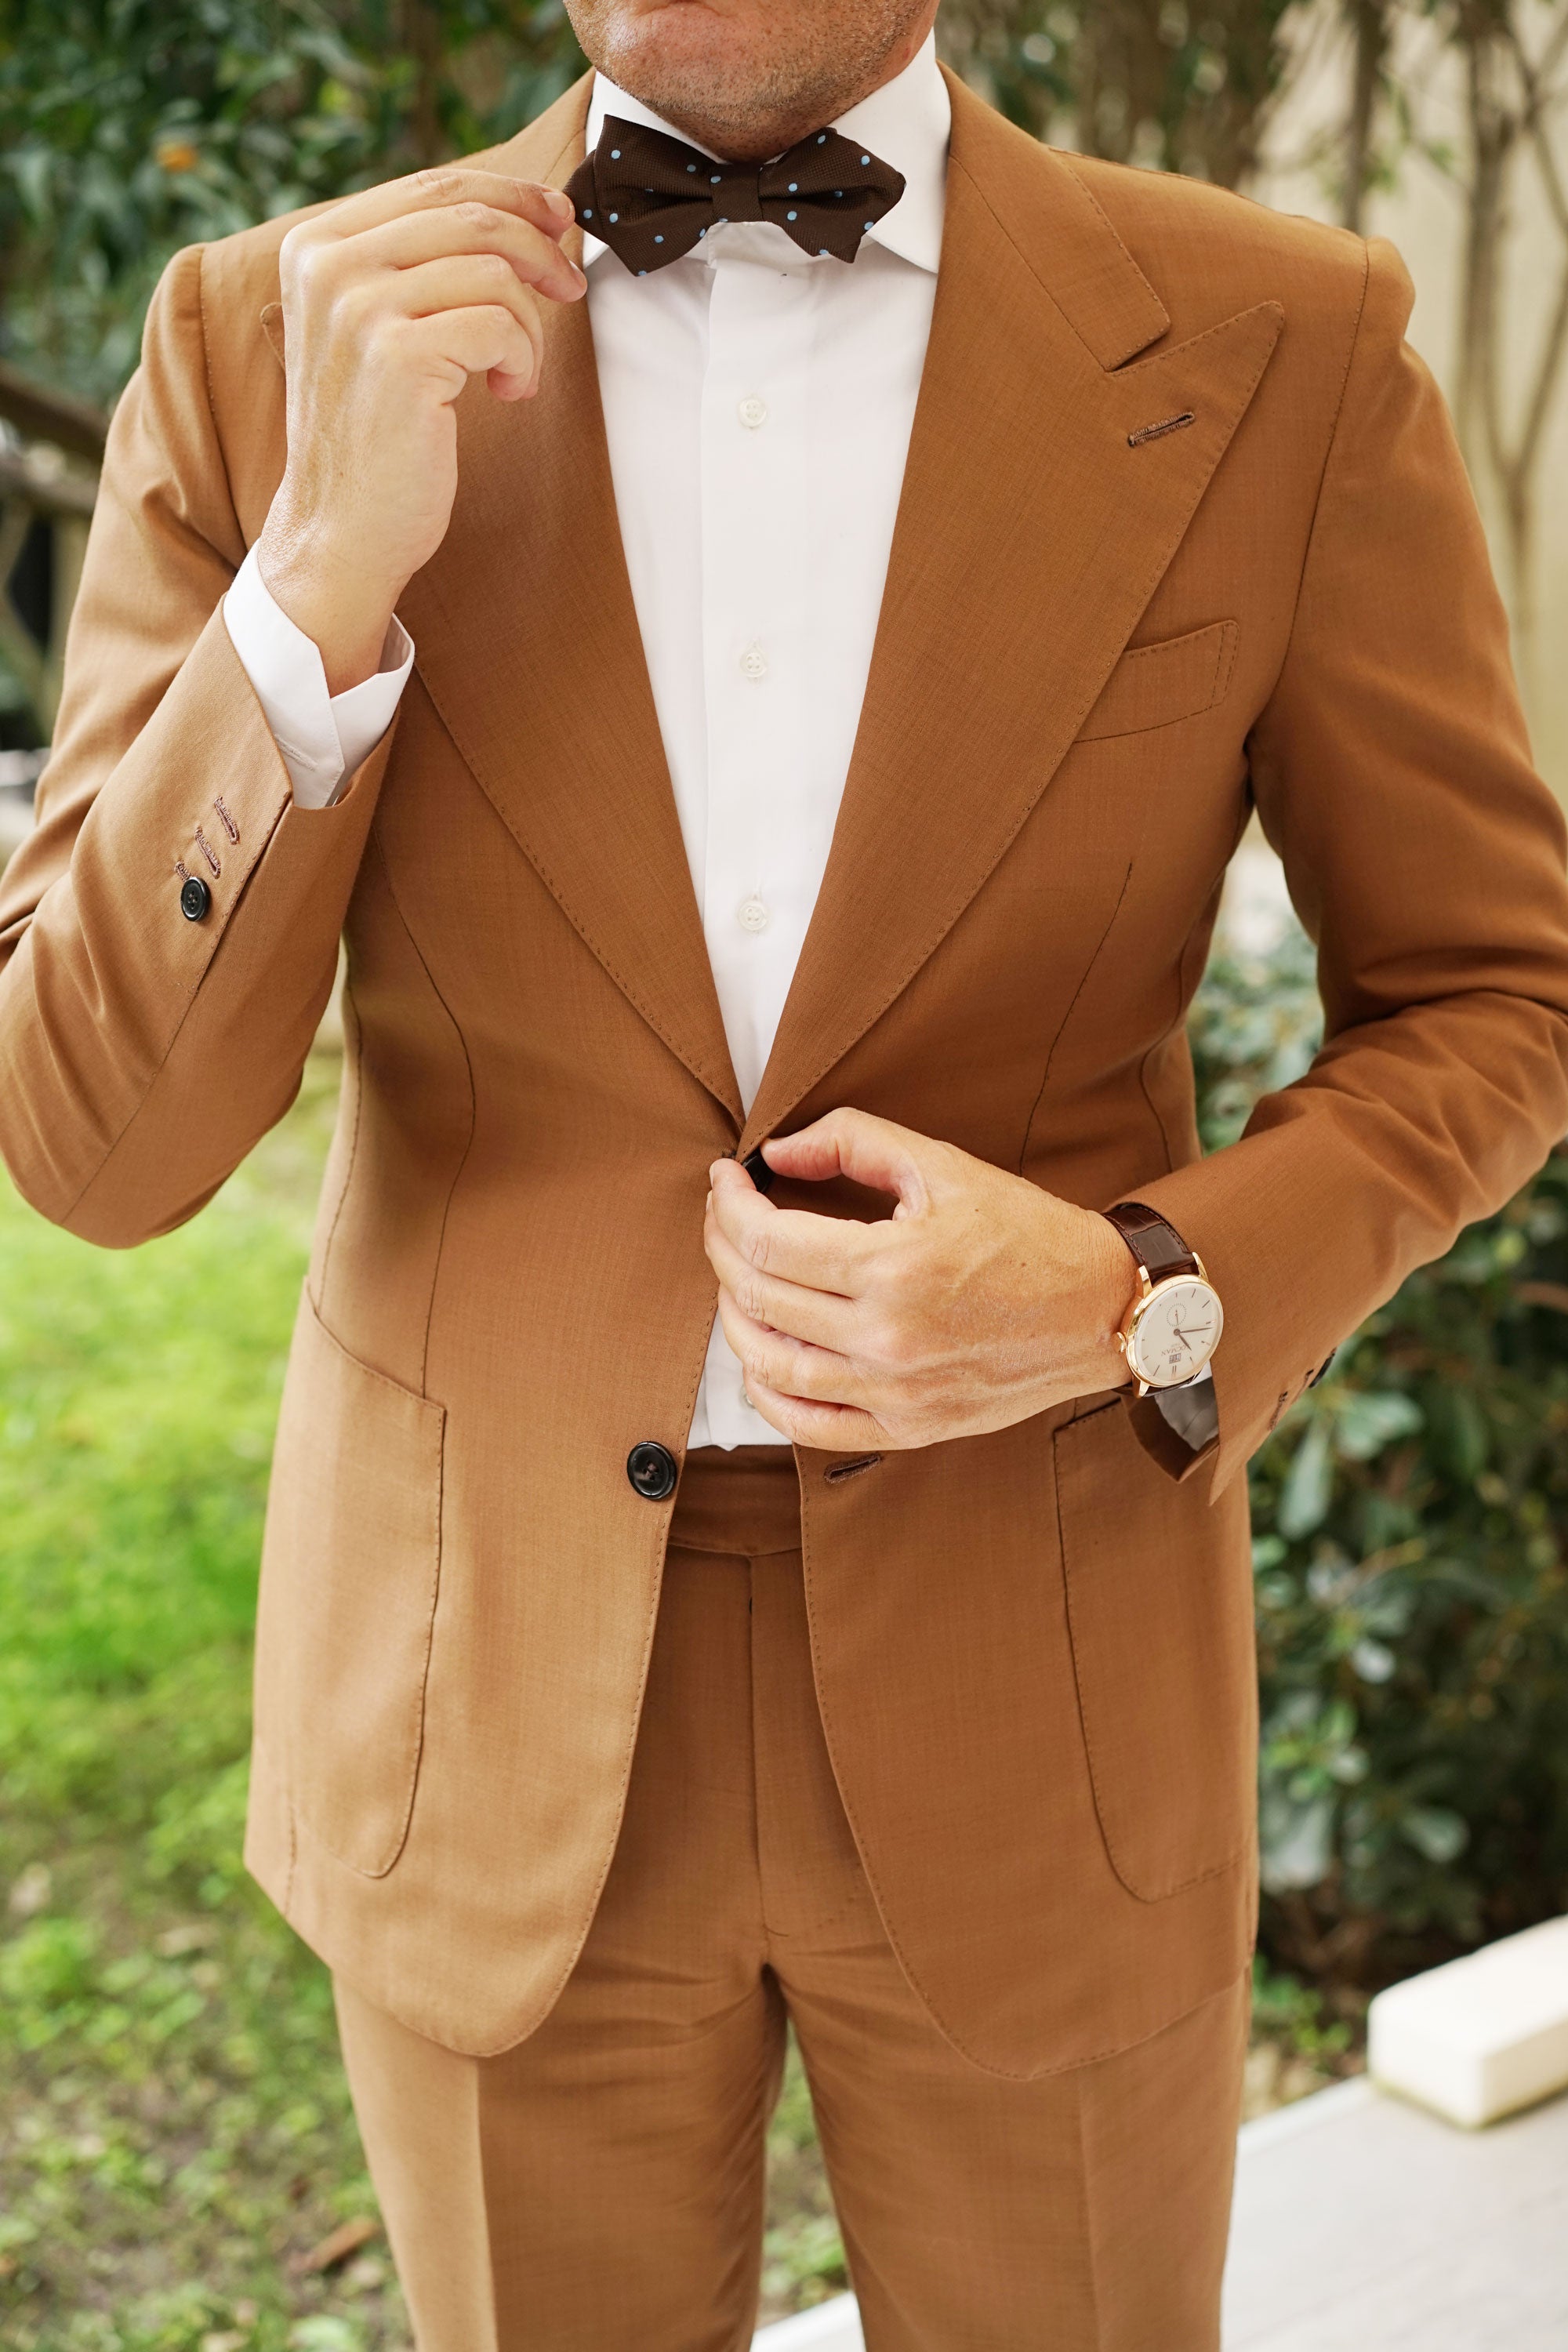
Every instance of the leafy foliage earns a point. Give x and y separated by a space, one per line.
1411 1528
129 127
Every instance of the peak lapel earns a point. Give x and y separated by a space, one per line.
1031 537
528 646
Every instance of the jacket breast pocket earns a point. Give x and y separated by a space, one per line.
1154 686
350 1572
1160 1613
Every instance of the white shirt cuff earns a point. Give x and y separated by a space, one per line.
1193 1413
322 737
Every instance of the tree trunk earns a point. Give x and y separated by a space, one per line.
1516 104
1369 34
425 48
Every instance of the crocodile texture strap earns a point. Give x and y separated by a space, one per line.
1157 1247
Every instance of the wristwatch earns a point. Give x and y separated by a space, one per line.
1173 1327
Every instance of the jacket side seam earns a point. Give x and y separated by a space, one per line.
1089 972
457 1177
351 1012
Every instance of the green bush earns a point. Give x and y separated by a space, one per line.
1411 1526
129 127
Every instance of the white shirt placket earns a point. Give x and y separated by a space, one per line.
756 585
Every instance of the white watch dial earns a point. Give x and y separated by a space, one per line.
1174 1332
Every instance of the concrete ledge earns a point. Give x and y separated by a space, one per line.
1482 2037
1363 2224
832 2327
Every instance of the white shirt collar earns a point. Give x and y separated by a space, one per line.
907 122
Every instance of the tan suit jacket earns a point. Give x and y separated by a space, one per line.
1097 653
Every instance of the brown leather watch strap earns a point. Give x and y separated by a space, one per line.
1157 1245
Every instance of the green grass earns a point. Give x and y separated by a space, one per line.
176 2135
174 2131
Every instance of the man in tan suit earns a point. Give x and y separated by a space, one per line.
802 696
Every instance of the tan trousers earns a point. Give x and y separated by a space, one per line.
599 2188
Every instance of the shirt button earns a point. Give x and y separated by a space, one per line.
752 914
753 411
753 661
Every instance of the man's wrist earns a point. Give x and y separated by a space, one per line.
1111 1285
345 614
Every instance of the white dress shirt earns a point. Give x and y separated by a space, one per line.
757 402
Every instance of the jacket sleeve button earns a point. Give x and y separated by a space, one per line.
652 1470
195 898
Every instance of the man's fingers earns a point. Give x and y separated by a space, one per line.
791 1366
490 341
830 1428
547 208
472 281
533 254
869 1151
822 1252
821 1317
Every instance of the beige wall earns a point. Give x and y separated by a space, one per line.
1423 215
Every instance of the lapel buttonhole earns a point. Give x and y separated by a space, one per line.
1155 432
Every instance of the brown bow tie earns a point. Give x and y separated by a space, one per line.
650 197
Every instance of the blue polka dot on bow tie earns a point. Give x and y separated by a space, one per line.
792 216
794 188
714 178
615 154
658 240
865 159
870 223
587 212
692 167
614 216
822 138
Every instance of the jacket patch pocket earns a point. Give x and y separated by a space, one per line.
349 1576
1153 685
1159 1613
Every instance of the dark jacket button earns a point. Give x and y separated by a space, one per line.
651 1469
195 898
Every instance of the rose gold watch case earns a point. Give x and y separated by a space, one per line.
1147 1293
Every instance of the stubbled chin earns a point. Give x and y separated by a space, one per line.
686 57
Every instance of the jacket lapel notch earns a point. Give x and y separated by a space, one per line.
1062 233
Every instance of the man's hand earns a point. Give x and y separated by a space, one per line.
391 301
982 1300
